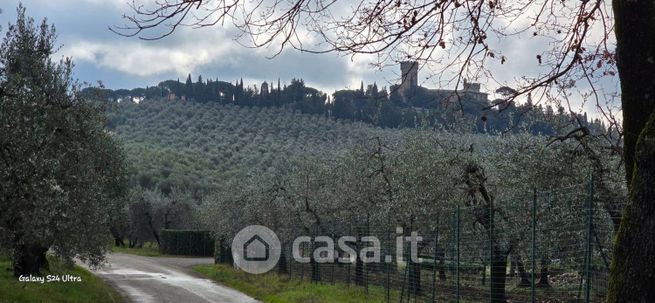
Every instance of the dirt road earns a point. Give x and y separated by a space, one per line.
164 279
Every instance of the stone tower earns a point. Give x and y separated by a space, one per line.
409 72
264 90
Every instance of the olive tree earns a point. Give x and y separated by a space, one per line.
416 179
61 174
148 211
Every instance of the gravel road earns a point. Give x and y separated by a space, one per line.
165 279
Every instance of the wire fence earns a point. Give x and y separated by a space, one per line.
553 246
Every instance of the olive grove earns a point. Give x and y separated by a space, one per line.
581 43
415 181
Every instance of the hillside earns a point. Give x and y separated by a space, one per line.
387 108
195 145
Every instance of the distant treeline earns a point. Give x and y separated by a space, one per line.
378 106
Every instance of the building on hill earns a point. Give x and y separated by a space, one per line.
415 95
409 75
264 90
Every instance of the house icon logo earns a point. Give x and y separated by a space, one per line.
256 249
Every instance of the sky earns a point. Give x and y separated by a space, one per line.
121 62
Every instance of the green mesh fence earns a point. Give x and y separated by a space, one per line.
187 242
543 246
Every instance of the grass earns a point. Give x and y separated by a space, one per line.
272 288
147 250
90 289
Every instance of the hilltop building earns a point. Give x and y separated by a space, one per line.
409 75
410 91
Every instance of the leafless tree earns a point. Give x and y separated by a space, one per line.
584 41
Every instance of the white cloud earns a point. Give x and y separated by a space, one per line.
144 59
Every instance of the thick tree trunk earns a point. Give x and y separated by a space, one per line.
631 274
29 260
635 41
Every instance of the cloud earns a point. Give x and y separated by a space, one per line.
128 62
141 59
213 55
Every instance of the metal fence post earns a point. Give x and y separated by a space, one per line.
434 263
388 264
364 265
534 228
590 213
290 259
457 257
491 251
335 259
350 232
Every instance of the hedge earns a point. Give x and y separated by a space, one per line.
187 242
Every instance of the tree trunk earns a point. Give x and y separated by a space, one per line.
282 263
29 260
414 278
543 275
154 234
498 271
217 251
228 258
359 271
631 274
442 268
498 275
523 276
224 253
153 229
316 270
635 41
118 238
